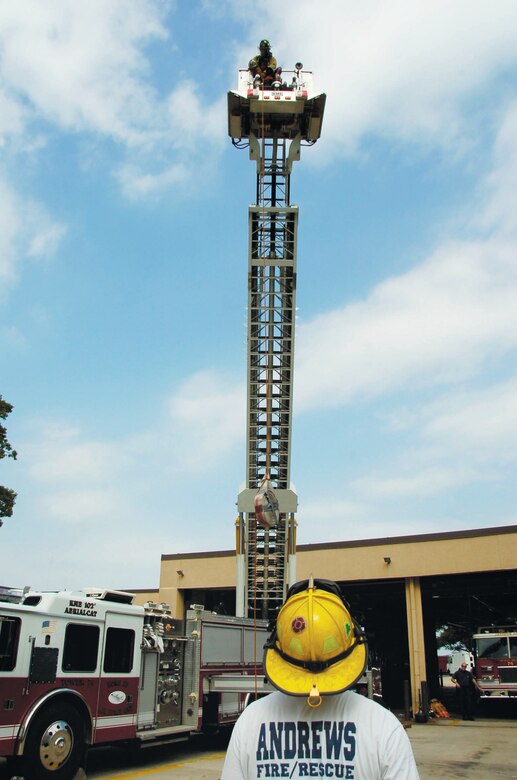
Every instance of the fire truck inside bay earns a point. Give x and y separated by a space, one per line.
89 667
495 648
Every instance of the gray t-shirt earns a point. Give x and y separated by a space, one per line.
347 736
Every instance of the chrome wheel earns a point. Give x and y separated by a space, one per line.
56 745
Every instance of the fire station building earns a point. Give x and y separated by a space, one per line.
400 589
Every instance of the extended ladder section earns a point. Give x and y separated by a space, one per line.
273 124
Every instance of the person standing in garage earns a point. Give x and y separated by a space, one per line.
466 684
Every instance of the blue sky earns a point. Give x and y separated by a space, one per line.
123 265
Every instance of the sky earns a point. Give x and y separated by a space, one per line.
123 276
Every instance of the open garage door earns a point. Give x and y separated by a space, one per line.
466 602
380 607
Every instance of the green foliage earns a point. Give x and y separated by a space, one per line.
6 451
454 637
7 496
7 499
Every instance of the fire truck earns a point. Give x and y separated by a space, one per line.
90 667
496 661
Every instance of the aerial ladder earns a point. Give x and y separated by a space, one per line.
273 123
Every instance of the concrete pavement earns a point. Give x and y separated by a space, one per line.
446 749
479 750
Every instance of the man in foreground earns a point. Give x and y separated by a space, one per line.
313 726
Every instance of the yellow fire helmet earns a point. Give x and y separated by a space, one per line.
316 648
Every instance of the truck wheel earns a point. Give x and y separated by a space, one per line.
55 744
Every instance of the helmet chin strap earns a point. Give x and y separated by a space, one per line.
314 698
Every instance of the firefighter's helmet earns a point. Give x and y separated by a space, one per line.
264 45
316 648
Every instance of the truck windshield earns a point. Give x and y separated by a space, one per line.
492 647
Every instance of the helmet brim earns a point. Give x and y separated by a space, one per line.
296 681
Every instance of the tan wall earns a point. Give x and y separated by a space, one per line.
409 558
142 596
417 556
197 570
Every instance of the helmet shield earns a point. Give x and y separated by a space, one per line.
316 645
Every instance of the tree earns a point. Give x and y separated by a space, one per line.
454 636
7 496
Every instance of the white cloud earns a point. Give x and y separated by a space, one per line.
443 322
407 70
26 231
12 117
443 327
10 228
137 182
195 134
501 185
482 424
80 485
205 422
397 69
79 65
462 438
76 507
58 459
81 68
97 496
76 479
420 483
437 324
192 120
323 518
315 511
12 338
208 418
47 237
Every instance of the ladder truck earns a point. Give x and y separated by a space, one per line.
273 123
90 667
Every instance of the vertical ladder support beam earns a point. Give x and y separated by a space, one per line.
240 553
273 124
271 315
415 621
272 251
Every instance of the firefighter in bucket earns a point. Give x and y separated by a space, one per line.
314 725
263 67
